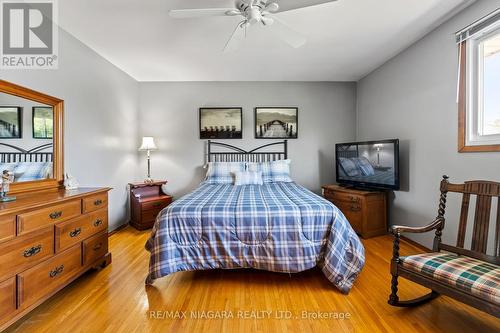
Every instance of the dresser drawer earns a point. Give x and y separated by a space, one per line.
95 202
74 231
42 217
158 204
48 276
346 197
353 213
7 298
7 228
94 248
23 252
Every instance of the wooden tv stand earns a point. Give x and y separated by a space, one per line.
365 210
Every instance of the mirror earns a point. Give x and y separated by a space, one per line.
30 138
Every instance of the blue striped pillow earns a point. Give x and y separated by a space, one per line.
273 172
364 165
223 172
248 178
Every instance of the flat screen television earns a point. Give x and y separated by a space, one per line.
370 164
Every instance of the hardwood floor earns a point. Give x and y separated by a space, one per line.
116 300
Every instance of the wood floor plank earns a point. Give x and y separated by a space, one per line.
116 300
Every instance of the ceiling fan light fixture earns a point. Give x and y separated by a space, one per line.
254 15
233 12
272 7
267 21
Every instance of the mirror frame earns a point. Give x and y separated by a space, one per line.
58 138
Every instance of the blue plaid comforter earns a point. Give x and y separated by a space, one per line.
279 227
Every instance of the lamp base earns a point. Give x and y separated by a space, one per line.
7 199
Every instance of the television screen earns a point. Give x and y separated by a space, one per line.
372 164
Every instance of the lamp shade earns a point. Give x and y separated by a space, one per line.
148 143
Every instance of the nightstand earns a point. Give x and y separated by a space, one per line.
146 202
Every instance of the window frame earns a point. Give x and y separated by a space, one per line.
470 88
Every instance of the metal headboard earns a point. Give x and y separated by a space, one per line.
18 154
229 153
348 152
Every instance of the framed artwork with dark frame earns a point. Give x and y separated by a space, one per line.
221 123
11 120
43 122
276 122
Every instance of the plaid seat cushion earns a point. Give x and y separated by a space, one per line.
473 276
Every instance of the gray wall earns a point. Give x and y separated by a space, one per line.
169 112
412 97
101 109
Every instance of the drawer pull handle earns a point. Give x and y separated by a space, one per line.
97 223
97 202
355 208
354 199
32 251
55 215
97 246
75 232
56 271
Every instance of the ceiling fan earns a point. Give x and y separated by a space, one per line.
254 12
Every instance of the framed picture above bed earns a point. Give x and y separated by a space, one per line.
221 123
276 122
43 122
11 122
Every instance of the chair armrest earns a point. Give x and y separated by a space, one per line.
436 224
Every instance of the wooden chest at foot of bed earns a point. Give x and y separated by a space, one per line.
366 211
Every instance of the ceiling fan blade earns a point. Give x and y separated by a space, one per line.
236 38
285 33
206 12
286 5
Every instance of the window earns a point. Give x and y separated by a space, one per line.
479 86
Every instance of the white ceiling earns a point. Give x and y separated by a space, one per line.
347 39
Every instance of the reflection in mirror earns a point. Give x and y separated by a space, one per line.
26 138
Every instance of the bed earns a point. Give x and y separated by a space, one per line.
279 227
27 165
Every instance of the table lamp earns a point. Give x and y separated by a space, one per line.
148 144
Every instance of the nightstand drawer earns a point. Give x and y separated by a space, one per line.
95 202
156 204
150 215
46 216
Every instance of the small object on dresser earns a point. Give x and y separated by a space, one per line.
70 182
7 178
365 210
146 202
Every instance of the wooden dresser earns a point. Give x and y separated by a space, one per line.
366 211
146 202
47 240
